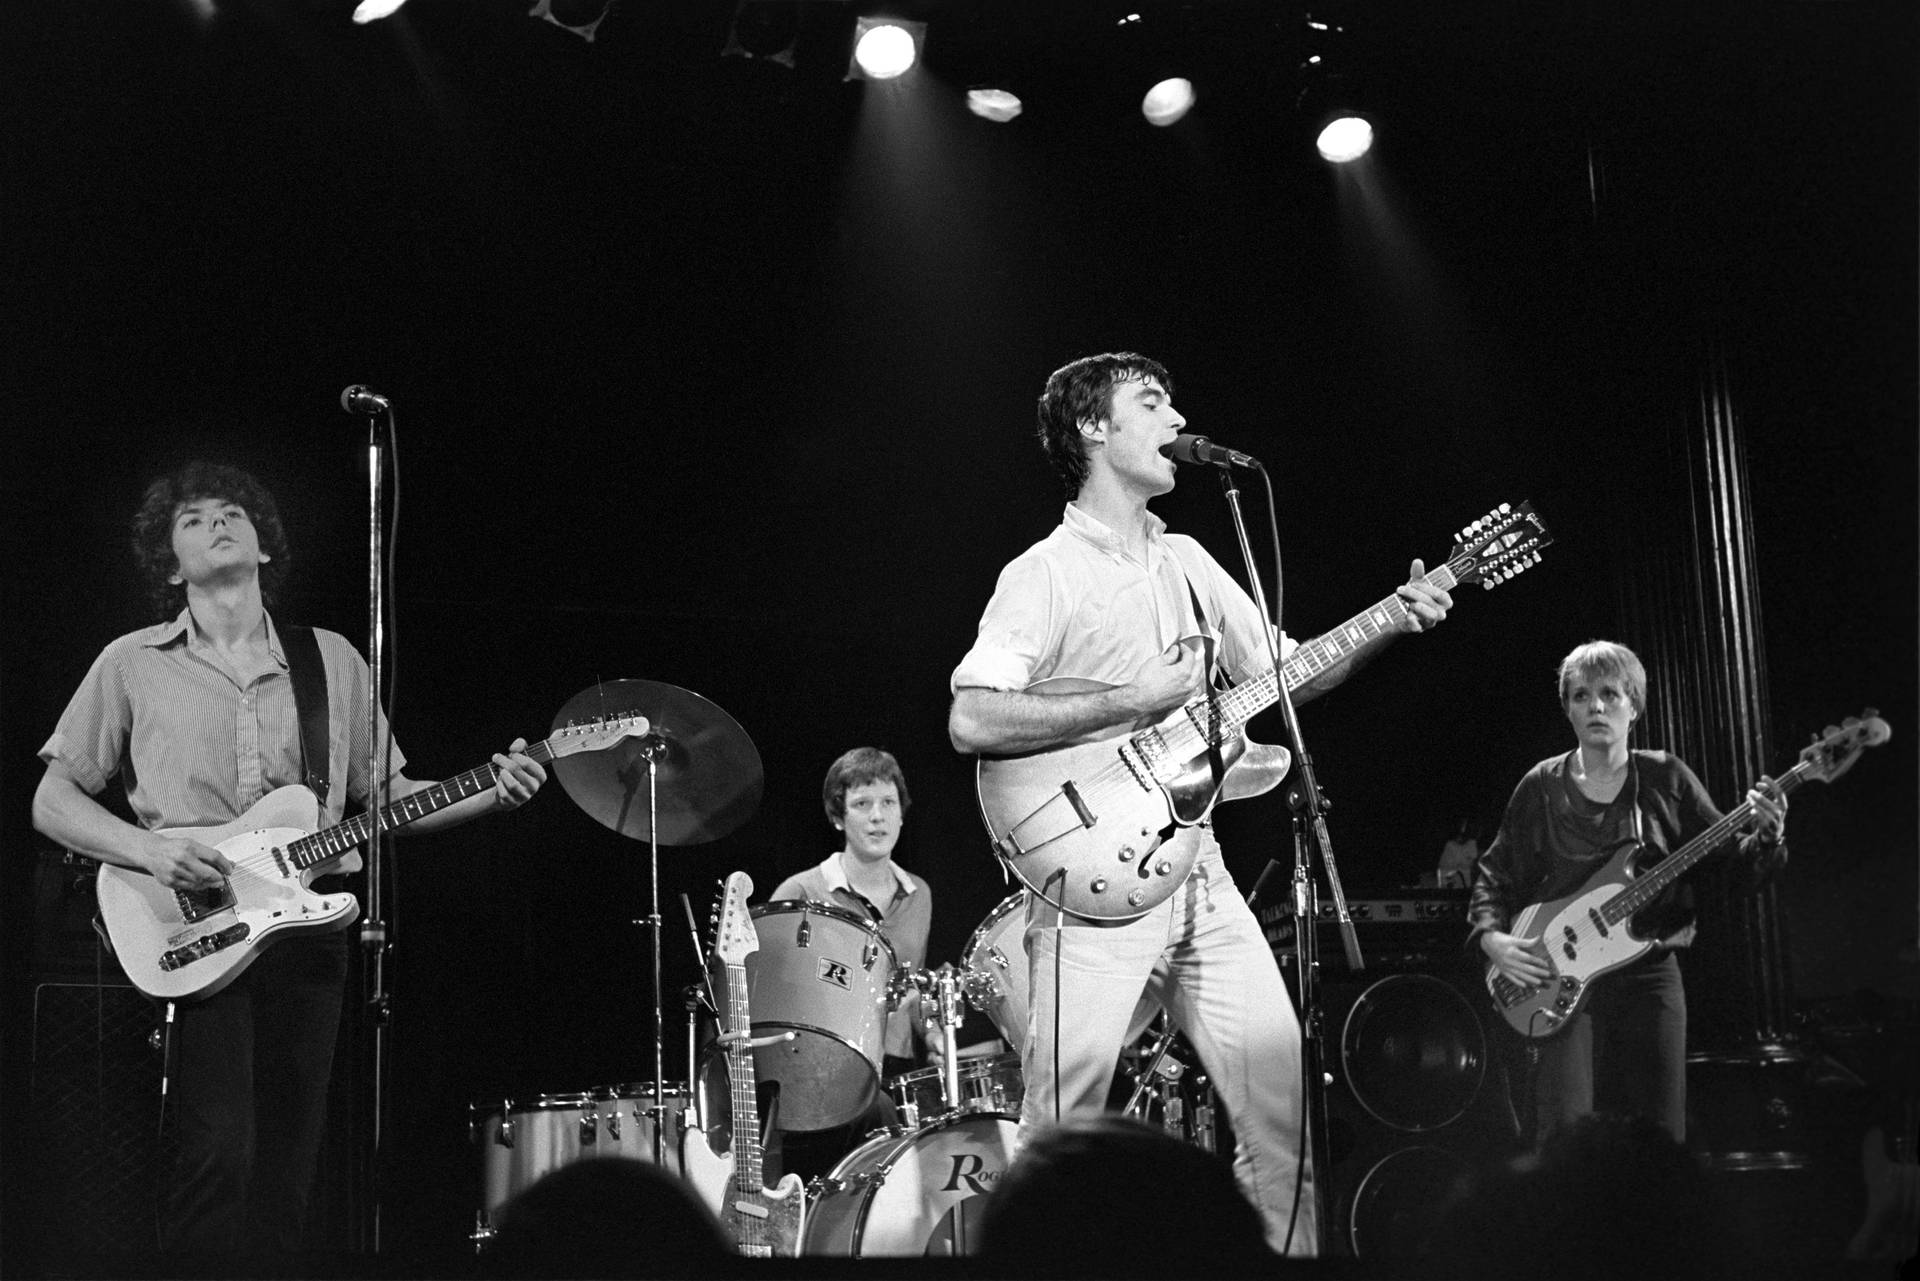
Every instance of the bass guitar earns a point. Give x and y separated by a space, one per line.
1080 825
765 1222
188 944
1591 932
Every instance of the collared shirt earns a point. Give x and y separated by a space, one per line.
904 920
198 742
1078 604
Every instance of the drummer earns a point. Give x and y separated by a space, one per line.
865 795
866 799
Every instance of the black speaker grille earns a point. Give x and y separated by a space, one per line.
95 1102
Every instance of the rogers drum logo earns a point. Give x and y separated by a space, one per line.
971 1169
836 973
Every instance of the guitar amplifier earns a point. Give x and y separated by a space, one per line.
1421 930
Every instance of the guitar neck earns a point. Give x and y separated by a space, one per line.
334 841
746 1109
1315 657
1649 886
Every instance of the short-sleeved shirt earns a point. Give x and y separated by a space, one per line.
197 743
904 920
1079 604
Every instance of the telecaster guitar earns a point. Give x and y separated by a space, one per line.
1080 825
185 945
765 1222
1590 933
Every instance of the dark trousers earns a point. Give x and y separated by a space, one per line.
1626 1052
248 1098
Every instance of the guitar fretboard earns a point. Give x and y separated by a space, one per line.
1237 706
1647 887
746 1108
334 841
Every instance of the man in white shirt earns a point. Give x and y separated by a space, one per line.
1108 597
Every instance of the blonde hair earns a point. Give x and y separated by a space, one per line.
1602 658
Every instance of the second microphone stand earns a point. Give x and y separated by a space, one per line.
1308 805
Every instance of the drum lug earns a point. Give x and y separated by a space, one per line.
483 1231
613 1122
803 937
869 955
589 1127
504 1137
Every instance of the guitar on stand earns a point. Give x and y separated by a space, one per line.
764 1222
1590 933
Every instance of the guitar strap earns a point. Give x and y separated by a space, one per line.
309 676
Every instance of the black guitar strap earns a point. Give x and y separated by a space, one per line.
309 676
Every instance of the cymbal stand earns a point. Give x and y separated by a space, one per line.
1156 1054
949 991
653 747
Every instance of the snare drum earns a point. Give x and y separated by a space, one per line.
995 960
826 975
520 1140
912 1192
986 1085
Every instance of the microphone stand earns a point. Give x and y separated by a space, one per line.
653 747
373 930
1308 805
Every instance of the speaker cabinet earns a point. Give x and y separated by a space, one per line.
1418 1099
94 1109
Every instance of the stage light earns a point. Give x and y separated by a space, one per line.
575 17
374 10
884 49
997 105
1168 102
1344 138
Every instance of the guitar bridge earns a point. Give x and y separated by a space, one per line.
198 905
219 941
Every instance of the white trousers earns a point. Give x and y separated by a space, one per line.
1212 968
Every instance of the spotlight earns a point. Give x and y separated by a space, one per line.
884 48
1344 138
1168 102
374 10
997 105
575 17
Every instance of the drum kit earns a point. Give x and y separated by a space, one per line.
821 985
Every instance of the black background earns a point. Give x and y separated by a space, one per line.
720 374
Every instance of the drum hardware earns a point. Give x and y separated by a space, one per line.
709 771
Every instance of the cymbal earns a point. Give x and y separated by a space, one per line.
707 775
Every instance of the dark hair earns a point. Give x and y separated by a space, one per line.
607 1216
153 530
1083 392
1052 1212
857 768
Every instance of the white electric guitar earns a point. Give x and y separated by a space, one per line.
1592 932
188 944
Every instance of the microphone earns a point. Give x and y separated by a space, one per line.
1198 449
363 400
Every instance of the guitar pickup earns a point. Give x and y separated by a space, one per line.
198 905
218 941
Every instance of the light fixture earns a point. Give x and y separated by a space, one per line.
575 17
997 105
1168 102
1343 138
374 10
884 48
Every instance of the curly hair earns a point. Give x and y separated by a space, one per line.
857 768
153 530
1598 659
1083 392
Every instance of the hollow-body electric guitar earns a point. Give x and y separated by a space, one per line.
189 944
1590 932
765 1222
1080 825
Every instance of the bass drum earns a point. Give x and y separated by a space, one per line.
995 965
903 1194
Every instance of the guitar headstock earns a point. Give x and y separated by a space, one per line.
1833 752
1499 545
734 938
598 735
